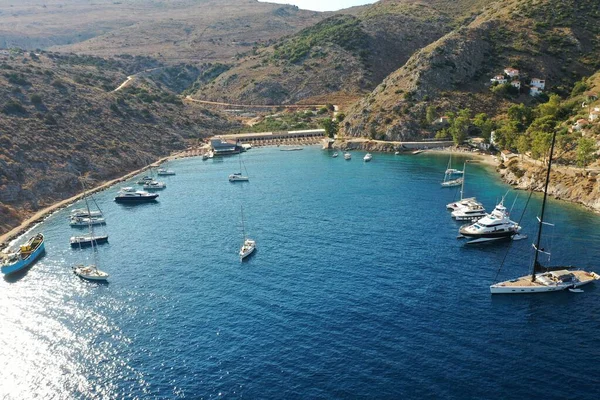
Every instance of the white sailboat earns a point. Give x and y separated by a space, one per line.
237 176
249 245
545 279
90 272
449 181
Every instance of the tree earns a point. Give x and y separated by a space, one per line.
586 147
430 114
331 127
485 125
522 115
551 107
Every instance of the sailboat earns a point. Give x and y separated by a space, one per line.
86 217
249 245
448 179
545 279
237 176
90 272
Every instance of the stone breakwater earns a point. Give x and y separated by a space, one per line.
566 183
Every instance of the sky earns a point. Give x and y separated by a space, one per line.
322 5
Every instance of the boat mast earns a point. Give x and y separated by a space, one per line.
462 184
90 225
243 228
541 223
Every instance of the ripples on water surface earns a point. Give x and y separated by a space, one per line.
358 289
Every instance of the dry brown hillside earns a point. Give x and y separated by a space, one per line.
346 53
171 30
548 39
59 118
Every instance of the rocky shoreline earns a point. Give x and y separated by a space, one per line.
570 184
41 215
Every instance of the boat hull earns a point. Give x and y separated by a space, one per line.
90 275
523 285
85 242
136 199
25 263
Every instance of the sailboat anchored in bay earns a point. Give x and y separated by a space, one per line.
249 245
544 278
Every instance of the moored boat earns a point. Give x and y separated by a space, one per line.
368 157
25 256
347 156
249 245
165 172
130 195
81 221
145 180
544 279
88 240
90 273
154 185
84 213
493 226
334 155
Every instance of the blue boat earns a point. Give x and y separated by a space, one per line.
25 256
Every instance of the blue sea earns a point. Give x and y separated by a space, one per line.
359 288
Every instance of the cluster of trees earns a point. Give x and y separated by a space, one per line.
461 124
524 129
529 130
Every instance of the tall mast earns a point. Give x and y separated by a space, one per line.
243 228
462 184
541 224
90 225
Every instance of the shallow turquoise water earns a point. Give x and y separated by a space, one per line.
359 288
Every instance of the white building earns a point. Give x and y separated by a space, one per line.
500 79
534 91
538 83
511 72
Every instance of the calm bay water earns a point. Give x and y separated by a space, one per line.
359 288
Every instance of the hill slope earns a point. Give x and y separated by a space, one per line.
548 39
170 30
59 118
346 53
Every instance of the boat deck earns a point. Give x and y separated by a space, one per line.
546 280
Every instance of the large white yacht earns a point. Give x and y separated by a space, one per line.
130 195
493 226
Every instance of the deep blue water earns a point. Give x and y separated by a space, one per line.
358 289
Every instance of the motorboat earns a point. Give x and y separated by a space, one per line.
88 240
204 156
368 157
165 172
85 213
334 155
493 226
544 279
466 202
452 171
396 153
130 195
347 156
24 257
469 213
90 273
82 221
154 185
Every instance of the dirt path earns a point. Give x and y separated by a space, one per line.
217 103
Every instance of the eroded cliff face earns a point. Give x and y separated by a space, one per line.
566 183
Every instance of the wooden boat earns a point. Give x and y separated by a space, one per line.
25 256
